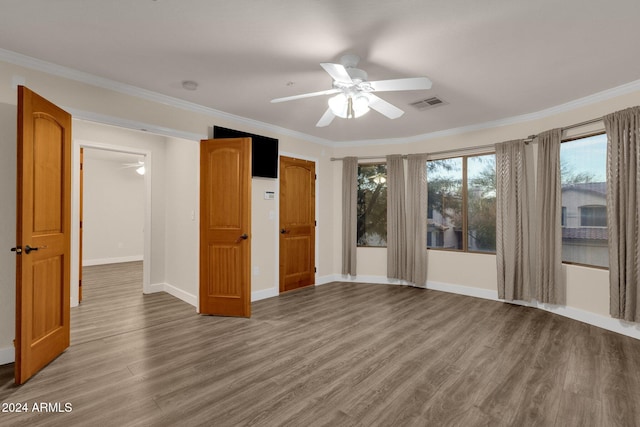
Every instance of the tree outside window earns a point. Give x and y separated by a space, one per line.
372 204
461 211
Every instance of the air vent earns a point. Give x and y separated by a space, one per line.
425 104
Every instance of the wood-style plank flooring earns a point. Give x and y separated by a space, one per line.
341 354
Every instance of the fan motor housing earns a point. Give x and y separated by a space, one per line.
357 75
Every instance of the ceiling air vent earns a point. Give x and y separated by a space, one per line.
425 104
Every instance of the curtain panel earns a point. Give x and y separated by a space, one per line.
396 219
513 239
548 273
349 214
417 219
623 192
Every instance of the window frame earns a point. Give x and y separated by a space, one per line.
575 138
464 207
587 207
372 163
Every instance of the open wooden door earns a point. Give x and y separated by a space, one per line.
81 216
225 227
297 223
43 233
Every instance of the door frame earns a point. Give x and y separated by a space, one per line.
75 210
277 224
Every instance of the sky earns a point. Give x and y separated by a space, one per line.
586 155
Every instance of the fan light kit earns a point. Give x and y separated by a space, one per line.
354 94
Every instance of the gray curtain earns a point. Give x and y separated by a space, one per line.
396 217
349 214
417 219
548 273
623 192
513 240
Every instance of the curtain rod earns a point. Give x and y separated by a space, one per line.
527 140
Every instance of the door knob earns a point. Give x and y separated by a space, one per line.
17 250
28 249
244 237
283 231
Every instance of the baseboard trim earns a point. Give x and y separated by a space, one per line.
117 260
614 325
464 290
172 290
7 355
264 294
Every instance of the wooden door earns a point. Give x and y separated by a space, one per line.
81 216
43 233
297 223
225 227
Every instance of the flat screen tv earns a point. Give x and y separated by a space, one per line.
264 151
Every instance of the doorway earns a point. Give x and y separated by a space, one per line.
120 224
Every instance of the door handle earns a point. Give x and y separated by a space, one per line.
283 231
242 237
28 249
17 250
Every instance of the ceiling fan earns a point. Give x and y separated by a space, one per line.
139 165
354 94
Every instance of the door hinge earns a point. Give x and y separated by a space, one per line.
315 269
315 223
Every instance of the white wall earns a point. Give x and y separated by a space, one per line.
7 229
113 215
182 218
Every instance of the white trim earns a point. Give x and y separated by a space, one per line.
154 288
68 73
464 290
264 294
7 355
182 295
324 280
75 211
625 328
604 95
103 261
619 326
174 291
132 124
101 82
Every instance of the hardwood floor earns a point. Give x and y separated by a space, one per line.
341 354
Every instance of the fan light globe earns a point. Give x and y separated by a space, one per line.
339 105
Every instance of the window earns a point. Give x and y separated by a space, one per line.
584 195
593 216
462 203
372 205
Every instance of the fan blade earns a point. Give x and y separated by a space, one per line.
326 119
305 95
413 83
337 72
383 107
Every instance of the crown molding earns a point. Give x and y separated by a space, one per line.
604 95
90 79
101 82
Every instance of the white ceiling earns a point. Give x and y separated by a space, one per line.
489 60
